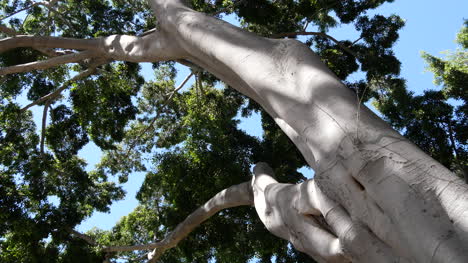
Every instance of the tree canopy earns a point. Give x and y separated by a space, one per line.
188 142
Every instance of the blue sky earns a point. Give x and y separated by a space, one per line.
431 26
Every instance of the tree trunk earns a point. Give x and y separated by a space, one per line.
375 197
382 197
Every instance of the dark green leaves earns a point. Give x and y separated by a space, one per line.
432 120
380 32
104 105
65 135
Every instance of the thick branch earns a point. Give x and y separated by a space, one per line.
47 51
293 34
45 64
280 209
157 46
237 195
180 86
48 42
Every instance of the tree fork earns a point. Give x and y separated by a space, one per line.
377 186
378 177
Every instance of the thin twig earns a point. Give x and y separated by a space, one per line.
355 41
148 32
59 15
85 237
305 26
223 10
53 95
44 124
49 99
45 28
21 10
197 92
303 33
45 4
236 195
155 118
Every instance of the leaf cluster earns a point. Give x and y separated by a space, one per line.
437 119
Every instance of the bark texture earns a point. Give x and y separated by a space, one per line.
383 198
375 197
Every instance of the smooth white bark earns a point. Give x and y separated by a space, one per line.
55 61
377 177
381 197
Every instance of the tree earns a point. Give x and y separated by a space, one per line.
429 120
375 197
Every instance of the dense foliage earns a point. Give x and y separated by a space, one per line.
188 143
437 119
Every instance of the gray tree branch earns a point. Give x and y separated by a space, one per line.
49 42
46 51
49 63
237 195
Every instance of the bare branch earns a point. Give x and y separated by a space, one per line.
85 237
56 93
237 195
45 64
47 51
59 15
148 32
49 42
200 83
119 47
180 86
133 248
44 124
303 33
192 66
48 5
305 25
21 10
171 95
355 41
